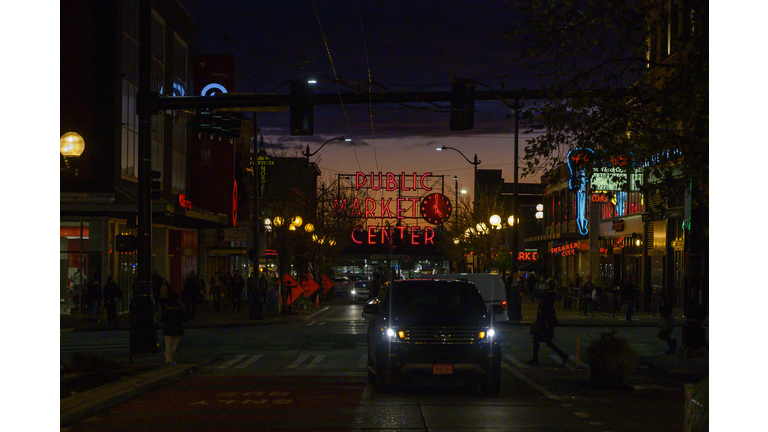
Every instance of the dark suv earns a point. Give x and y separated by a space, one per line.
432 328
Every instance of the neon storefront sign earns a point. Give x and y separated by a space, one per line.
391 182
578 161
567 249
184 202
374 235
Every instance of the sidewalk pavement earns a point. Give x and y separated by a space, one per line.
82 405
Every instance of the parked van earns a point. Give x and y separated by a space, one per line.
491 287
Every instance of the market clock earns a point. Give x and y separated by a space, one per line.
436 208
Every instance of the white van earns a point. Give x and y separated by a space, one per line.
491 287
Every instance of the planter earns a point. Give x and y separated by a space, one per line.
610 359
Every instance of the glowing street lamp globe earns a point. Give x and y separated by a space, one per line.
71 144
495 220
511 220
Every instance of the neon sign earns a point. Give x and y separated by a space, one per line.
367 208
578 159
436 208
566 249
234 204
527 256
361 179
374 235
214 87
184 202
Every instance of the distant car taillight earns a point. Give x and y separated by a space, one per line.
504 304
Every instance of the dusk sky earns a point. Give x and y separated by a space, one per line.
402 46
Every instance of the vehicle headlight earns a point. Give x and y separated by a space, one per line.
487 334
392 335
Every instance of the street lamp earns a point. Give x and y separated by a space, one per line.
71 146
475 162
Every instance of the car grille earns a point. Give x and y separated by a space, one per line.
442 335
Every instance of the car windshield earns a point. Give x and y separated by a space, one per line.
440 299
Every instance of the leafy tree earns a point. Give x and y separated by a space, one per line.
621 86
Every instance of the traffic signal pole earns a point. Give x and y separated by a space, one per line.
143 338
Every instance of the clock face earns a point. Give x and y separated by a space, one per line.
436 208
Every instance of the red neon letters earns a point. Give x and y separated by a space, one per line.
378 235
391 183
184 202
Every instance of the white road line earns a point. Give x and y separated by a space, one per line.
524 379
231 362
322 323
298 361
249 361
559 360
311 323
581 414
515 361
363 362
316 361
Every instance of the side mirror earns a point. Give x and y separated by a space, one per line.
371 308
497 309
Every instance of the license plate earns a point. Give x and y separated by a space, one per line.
442 369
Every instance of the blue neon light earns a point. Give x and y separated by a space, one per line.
579 172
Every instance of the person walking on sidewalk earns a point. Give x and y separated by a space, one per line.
94 295
236 287
173 317
112 292
543 329
216 290
628 292
190 295
667 320
586 294
531 284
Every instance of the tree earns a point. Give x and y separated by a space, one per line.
650 61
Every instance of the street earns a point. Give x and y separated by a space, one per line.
311 375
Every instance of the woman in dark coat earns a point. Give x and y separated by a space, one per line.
543 329
174 317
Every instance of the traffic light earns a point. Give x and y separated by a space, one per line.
302 109
463 104
204 121
155 184
217 121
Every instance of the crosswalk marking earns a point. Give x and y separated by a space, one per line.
249 361
316 360
559 360
298 361
515 361
231 362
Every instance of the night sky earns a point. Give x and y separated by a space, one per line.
402 46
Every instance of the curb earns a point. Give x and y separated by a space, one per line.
88 403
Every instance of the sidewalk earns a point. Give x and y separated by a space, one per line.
82 405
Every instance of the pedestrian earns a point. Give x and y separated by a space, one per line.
174 318
79 283
375 286
157 286
628 292
216 290
94 295
190 294
586 294
236 287
543 329
257 290
531 282
667 320
112 292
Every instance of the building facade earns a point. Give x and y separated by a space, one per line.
99 84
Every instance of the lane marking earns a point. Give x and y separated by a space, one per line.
249 361
525 379
581 414
298 361
231 362
515 361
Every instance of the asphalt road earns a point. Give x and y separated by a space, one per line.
310 375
